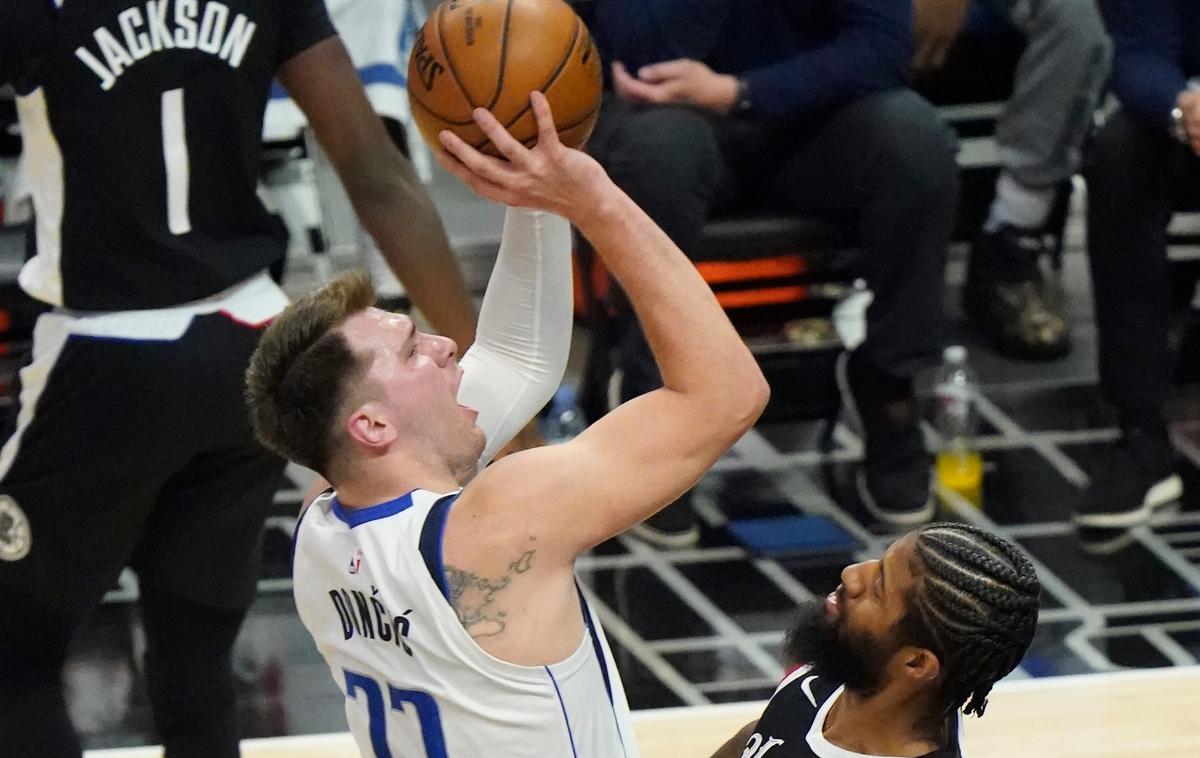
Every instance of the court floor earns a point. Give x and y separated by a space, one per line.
1136 714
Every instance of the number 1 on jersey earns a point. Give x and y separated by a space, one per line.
175 158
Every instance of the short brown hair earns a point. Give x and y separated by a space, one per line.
297 375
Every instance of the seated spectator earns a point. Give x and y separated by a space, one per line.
800 106
1145 158
1058 81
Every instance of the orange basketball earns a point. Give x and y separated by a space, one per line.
492 54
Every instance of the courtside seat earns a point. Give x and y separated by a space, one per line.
777 276
749 235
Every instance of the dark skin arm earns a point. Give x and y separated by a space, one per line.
381 183
737 743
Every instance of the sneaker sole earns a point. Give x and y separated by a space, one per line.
1162 493
666 540
922 515
1113 544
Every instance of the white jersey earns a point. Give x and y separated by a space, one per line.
370 587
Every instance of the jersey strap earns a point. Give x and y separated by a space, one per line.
430 542
587 620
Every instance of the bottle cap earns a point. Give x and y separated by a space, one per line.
564 396
954 354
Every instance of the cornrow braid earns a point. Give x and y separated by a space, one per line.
979 602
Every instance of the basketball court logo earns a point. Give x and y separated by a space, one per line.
15 535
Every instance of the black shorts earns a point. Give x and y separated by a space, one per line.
135 453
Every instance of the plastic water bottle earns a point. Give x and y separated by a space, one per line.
959 465
564 419
850 314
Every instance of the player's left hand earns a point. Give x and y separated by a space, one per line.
677 82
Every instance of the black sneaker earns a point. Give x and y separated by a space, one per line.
673 528
1134 480
1006 296
894 482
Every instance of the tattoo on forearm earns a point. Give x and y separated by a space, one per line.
474 597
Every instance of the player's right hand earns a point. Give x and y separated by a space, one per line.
550 176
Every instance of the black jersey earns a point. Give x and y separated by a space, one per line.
792 723
143 142
25 35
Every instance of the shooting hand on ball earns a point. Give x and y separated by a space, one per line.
677 82
550 176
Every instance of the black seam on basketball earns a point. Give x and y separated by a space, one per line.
531 141
583 118
554 75
449 63
413 97
439 117
503 55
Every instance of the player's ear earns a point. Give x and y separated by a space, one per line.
369 427
920 665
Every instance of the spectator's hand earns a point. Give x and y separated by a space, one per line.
550 176
1189 103
678 82
936 25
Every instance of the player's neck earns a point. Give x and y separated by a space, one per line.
885 723
378 480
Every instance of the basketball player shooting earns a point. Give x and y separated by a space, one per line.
899 649
447 606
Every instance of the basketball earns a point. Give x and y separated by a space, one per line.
492 54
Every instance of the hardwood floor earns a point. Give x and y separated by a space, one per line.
1136 714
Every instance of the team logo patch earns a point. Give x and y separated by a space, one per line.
15 535
356 562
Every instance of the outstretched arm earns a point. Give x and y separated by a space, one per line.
387 195
524 335
641 456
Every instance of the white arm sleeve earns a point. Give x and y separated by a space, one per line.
524 334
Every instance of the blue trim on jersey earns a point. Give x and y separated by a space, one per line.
601 658
296 531
430 543
353 517
587 621
561 704
380 73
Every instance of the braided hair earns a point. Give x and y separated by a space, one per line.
978 604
